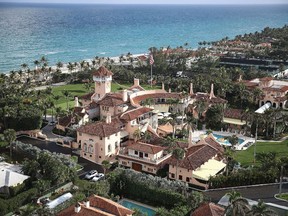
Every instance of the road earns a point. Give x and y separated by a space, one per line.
265 193
53 147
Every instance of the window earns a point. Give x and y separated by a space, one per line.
90 148
136 152
109 148
116 145
150 170
99 156
146 155
101 138
187 179
101 149
108 137
172 175
180 177
85 147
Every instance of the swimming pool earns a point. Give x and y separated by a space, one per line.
135 205
221 139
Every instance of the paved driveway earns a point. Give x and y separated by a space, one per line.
265 193
53 147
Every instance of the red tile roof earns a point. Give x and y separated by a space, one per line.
138 99
100 129
209 209
233 113
109 205
199 153
133 114
265 79
65 121
86 96
99 206
146 148
102 71
111 99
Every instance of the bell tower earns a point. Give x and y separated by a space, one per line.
102 78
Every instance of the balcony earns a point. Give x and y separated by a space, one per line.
124 154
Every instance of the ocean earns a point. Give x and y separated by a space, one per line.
70 33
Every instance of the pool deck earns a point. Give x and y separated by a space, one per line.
248 141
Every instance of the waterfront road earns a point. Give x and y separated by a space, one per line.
263 192
53 147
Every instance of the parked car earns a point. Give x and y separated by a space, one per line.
91 174
98 177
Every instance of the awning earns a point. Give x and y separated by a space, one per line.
210 168
234 121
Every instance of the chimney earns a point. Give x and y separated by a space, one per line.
76 101
87 203
163 86
190 143
136 82
124 95
191 89
108 119
169 90
77 208
212 92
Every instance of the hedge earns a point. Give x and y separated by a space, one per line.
14 203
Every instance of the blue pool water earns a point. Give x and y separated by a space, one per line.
224 141
132 205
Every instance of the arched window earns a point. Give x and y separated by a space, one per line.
91 148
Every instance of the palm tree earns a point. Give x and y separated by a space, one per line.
36 63
10 137
238 206
59 64
137 134
66 94
233 140
178 154
106 166
147 137
261 209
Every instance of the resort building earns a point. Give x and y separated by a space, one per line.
78 117
100 140
202 160
96 206
273 91
144 157
123 115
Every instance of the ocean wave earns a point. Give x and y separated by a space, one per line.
82 50
53 52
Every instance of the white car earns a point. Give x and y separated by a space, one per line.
98 177
91 174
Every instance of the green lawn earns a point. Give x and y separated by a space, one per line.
245 157
283 196
79 90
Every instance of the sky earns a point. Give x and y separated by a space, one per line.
155 1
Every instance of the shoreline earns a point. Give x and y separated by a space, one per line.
64 69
